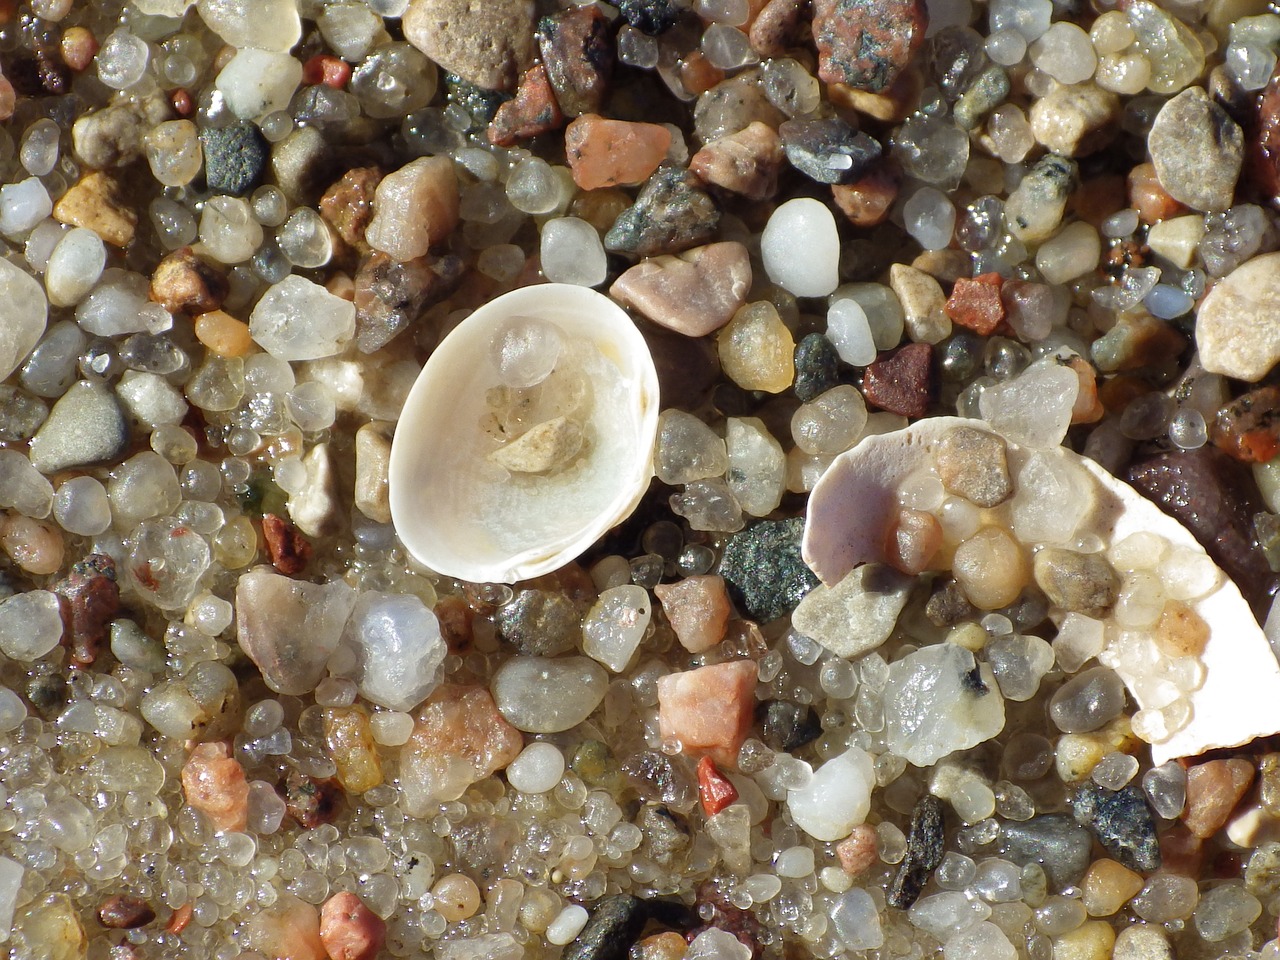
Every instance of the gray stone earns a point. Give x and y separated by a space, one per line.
1081 582
764 571
858 613
235 157
1055 841
1123 823
1087 701
85 426
540 623
1197 150
489 44
671 213
974 464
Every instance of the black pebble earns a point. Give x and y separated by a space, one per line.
650 16
817 367
789 726
828 151
763 568
1123 823
924 853
616 923
234 158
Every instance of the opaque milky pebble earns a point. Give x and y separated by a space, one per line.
837 798
537 769
801 248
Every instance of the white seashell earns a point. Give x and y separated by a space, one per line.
472 500
852 503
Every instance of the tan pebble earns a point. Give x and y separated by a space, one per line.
213 782
600 208
184 282
1092 940
1076 754
349 930
1180 631
991 568
757 351
96 203
1177 239
456 897
78 48
774 28
889 106
1150 199
349 737
660 946
415 208
288 929
1087 408
746 163
1213 790
223 334
542 448
709 709
974 464
36 546
923 303
611 153
52 927
698 609
373 459
913 540
695 293
1075 120
1108 886
698 74
945 265
858 851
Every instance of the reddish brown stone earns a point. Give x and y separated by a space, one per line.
975 303
1181 852
858 851
901 381
698 74
455 622
774 29
715 790
347 205
1148 197
91 599
867 43
289 550
1264 146
578 53
608 153
123 912
1213 790
327 69
746 162
180 919
310 801
867 201
533 110
214 783
185 283
182 103
1248 428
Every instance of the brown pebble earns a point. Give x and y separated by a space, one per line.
1263 149
180 919
975 465
698 609
578 53
867 201
698 74
186 283
79 46
391 294
774 28
1180 631
349 930
695 292
1150 199
455 622
975 303
310 801
1181 852
912 541
901 381
867 43
746 163
347 205
857 852
96 202
533 110
123 912
91 600
287 548
1088 407
1080 582
609 153
1213 790
660 946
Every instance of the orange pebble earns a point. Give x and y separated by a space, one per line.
223 334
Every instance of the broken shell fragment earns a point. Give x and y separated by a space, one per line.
528 434
1221 691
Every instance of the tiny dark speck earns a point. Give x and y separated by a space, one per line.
974 683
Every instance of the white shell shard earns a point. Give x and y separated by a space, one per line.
467 498
852 503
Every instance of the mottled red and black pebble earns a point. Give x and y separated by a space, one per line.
532 112
310 801
1214 497
578 54
90 601
124 912
901 381
867 43
390 294
1248 428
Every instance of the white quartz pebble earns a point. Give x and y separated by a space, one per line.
837 797
1034 408
23 205
23 487
801 248
81 507
258 82
300 320
567 925
120 305
265 24
398 647
30 625
850 333
572 252
543 695
74 267
537 769
615 625
857 920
